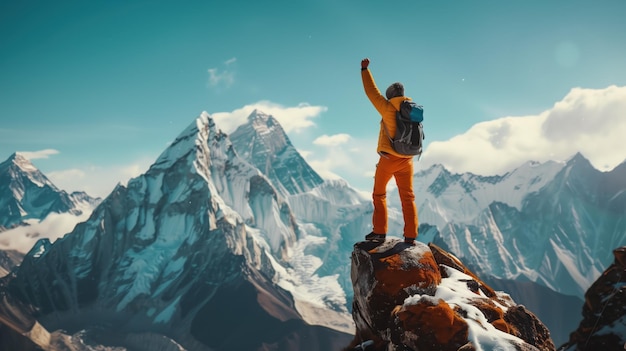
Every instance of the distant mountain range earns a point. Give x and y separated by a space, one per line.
550 223
26 193
32 207
225 226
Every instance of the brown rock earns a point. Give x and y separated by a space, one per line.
526 326
397 304
432 323
384 275
604 309
620 256
445 258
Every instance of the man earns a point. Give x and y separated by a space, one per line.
390 163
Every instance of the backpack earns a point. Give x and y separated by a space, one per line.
409 129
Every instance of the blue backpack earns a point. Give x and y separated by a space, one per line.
409 129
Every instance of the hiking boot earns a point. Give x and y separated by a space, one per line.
409 241
375 237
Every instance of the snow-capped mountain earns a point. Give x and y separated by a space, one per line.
263 142
549 223
218 220
32 207
199 247
27 193
334 214
443 197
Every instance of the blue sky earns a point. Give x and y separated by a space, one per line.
94 91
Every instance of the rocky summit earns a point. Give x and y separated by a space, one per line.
604 319
424 298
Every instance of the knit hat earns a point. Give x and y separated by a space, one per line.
395 89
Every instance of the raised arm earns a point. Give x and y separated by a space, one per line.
371 90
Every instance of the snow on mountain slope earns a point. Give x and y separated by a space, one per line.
331 215
558 235
339 220
581 215
242 189
263 142
266 214
199 222
339 192
444 197
27 193
32 207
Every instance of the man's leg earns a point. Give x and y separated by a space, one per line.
379 195
404 181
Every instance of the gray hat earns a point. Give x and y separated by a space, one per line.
395 89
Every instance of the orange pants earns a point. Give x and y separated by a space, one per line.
402 169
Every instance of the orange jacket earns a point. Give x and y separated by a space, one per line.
387 109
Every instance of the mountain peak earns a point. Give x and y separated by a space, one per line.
261 121
263 142
17 156
579 160
200 231
17 166
580 168
266 126
19 160
258 114
27 194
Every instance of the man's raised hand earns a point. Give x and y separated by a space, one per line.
364 63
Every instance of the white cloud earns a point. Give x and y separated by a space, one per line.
292 119
222 77
34 155
73 176
589 121
305 153
98 181
217 77
352 158
332 140
324 168
54 226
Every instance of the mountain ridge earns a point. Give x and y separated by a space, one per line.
263 142
294 242
32 207
19 205
200 228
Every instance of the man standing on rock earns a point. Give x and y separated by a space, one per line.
391 163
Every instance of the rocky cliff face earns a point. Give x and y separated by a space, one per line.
423 298
9 259
604 313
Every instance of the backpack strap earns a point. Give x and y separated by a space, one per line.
386 130
382 120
